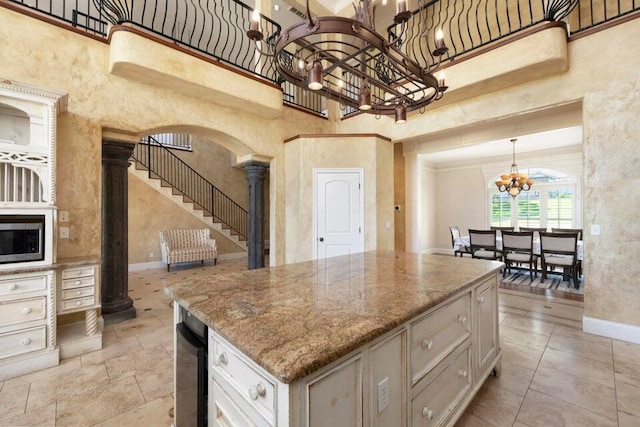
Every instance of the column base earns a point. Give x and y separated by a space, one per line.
119 316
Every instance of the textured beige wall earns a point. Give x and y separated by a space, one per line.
150 212
374 155
399 240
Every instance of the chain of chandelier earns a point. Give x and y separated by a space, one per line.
348 61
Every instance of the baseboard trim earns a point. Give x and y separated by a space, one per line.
160 264
615 330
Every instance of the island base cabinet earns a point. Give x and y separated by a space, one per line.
487 324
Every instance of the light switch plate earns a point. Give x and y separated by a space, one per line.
595 229
388 224
64 232
383 394
63 216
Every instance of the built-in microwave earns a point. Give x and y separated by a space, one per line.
21 238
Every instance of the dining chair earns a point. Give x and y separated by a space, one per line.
517 248
559 250
536 231
571 230
455 234
501 229
483 244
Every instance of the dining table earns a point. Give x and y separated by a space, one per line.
464 241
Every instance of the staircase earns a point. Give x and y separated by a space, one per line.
158 167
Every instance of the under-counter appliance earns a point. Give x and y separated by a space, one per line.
21 238
191 372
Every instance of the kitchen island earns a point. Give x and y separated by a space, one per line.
378 338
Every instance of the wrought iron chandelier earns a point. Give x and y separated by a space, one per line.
514 182
348 61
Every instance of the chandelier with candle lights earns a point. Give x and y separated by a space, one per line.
514 182
348 61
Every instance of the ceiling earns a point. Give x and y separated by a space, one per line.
555 140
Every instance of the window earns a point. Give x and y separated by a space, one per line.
552 203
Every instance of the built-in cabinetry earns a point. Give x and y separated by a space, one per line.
423 373
27 323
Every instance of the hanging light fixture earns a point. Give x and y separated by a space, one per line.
378 74
401 113
514 182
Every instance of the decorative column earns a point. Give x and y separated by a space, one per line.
116 303
255 172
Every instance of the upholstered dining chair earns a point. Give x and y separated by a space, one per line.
501 229
517 248
536 231
455 233
483 244
559 250
571 230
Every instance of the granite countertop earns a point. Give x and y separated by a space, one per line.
296 318
60 263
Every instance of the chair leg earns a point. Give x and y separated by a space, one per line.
201 262
215 261
168 268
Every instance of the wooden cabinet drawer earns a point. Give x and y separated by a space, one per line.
78 292
78 303
19 311
23 341
436 402
19 285
72 273
435 336
258 391
224 412
78 283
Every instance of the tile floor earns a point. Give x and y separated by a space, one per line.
552 374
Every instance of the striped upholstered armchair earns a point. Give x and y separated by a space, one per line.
187 245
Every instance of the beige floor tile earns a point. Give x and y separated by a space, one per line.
542 410
65 365
154 413
495 405
518 355
1 385
599 352
111 350
528 324
169 349
577 333
13 401
555 319
152 367
575 390
469 420
626 352
513 378
570 363
626 420
523 338
100 404
167 320
41 417
627 373
512 310
66 385
628 398
136 326
160 336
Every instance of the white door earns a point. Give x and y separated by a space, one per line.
339 212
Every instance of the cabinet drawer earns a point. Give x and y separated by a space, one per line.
72 273
78 292
23 341
24 310
78 283
436 402
78 303
435 336
224 412
253 386
21 285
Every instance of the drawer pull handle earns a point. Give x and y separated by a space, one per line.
26 341
257 390
78 282
427 344
426 412
462 319
481 300
462 373
220 359
26 310
78 303
78 292
13 287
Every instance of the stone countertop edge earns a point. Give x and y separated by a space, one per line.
60 263
297 318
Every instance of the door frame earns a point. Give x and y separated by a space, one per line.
316 172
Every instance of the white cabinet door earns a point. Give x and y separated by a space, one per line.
388 382
487 312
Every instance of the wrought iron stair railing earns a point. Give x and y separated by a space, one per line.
172 171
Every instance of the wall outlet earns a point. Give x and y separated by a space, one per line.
388 224
63 216
150 254
64 232
383 394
